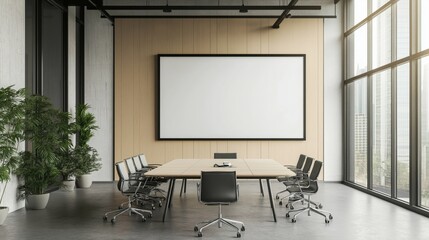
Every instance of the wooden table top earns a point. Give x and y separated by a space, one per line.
245 168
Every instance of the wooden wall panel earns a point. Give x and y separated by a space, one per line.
138 41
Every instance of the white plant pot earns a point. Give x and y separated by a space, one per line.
37 201
84 181
3 214
68 186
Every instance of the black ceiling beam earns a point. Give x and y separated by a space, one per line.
284 15
102 10
285 8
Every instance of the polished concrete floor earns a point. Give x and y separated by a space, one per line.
78 215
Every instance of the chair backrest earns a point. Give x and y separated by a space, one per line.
307 165
301 161
143 160
137 163
130 165
225 155
121 169
218 187
316 170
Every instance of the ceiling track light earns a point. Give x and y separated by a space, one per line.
167 9
243 9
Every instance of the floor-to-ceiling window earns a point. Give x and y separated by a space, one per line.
46 50
386 90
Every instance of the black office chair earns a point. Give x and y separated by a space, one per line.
307 188
293 168
300 174
133 189
217 156
298 165
218 188
225 155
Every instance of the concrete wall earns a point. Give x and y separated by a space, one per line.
71 86
99 87
12 69
332 97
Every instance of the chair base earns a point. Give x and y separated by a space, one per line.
219 221
128 210
327 215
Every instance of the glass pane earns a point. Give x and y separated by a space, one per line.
424 134
357 123
52 54
357 52
376 4
357 10
424 24
381 131
403 29
30 45
381 39
403 131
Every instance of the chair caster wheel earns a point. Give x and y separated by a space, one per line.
150 215
239 235
153 208
291 207
143 219
320 206
330 216
277 197
326 221
105 218
195 229
113 220
160 204
293 220
287 215
200 234
280 203
243 228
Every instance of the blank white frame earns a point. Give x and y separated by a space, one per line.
231 97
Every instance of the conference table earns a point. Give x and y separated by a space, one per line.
245 169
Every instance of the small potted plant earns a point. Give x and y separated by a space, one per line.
67 163
37 165
11 133
88 160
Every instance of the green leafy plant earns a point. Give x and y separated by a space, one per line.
11 131
44 132
85 124
86 156
87 159
66 163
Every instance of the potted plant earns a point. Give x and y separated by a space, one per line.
87 156
11 129
67 162
37 165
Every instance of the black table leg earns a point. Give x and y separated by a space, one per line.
168 199
181 188
186 183
171 192
262 188
271 200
